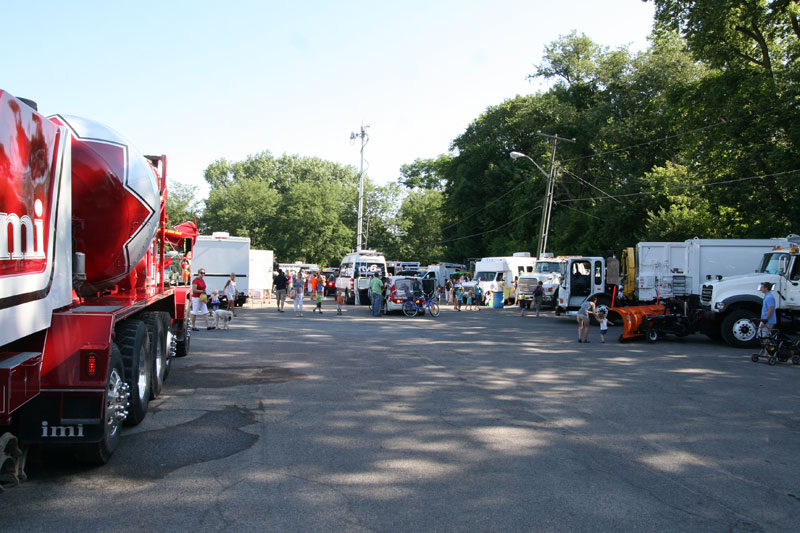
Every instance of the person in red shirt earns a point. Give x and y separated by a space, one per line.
198 305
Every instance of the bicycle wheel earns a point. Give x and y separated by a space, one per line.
410 308
433 309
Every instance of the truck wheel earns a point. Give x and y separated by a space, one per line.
115 407
133 342
182 332
652 335
171 344
159 350
739 328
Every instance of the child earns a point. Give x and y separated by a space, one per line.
339 302
457 299
522 302
469 301
215 300
604 322
319 302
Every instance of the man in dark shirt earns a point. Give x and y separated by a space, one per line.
280 282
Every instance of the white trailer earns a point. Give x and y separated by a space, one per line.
261 272
220 255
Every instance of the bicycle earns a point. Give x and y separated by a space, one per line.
421 305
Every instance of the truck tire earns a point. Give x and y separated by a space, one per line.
739 328
115 405
138 362
158 329
182 331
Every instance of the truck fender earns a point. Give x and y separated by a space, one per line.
731 301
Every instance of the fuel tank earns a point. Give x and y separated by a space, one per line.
115 202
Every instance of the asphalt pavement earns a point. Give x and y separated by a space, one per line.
472 421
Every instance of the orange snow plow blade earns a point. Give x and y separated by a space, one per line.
633 317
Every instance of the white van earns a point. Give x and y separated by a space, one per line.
355 273
498 273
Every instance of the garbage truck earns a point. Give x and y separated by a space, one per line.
88 325
732 305
660 273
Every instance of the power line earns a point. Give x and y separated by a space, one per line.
693 186
653 141
590 184
486 205
484 232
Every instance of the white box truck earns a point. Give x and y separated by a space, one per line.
220 255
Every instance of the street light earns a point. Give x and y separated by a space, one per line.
547 205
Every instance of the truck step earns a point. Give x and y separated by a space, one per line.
19 380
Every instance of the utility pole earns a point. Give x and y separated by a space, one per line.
364 140
547 208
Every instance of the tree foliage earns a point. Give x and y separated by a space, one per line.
303 208
670 142
182 203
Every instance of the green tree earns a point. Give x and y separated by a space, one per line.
420 223
300 207
182 203
425 173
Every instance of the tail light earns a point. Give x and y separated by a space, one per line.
91 365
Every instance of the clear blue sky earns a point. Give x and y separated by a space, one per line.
200 80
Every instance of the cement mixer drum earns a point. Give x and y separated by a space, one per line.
115 202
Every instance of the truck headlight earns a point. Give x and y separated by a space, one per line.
719 306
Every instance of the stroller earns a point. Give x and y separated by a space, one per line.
777 346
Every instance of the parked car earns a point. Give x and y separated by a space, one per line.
398 289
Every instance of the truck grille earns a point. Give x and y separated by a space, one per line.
705 296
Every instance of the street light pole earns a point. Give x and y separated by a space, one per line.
547 205
364 140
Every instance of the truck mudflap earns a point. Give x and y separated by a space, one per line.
634 318
19 380
80 419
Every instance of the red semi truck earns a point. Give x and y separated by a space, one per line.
87 326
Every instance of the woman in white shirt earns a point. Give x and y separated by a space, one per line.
230 293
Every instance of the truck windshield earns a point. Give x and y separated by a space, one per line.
546 268
770 263
485 276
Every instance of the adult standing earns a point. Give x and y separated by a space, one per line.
376 284
583 318
280 283
198 299
298 284
769 318
230 293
